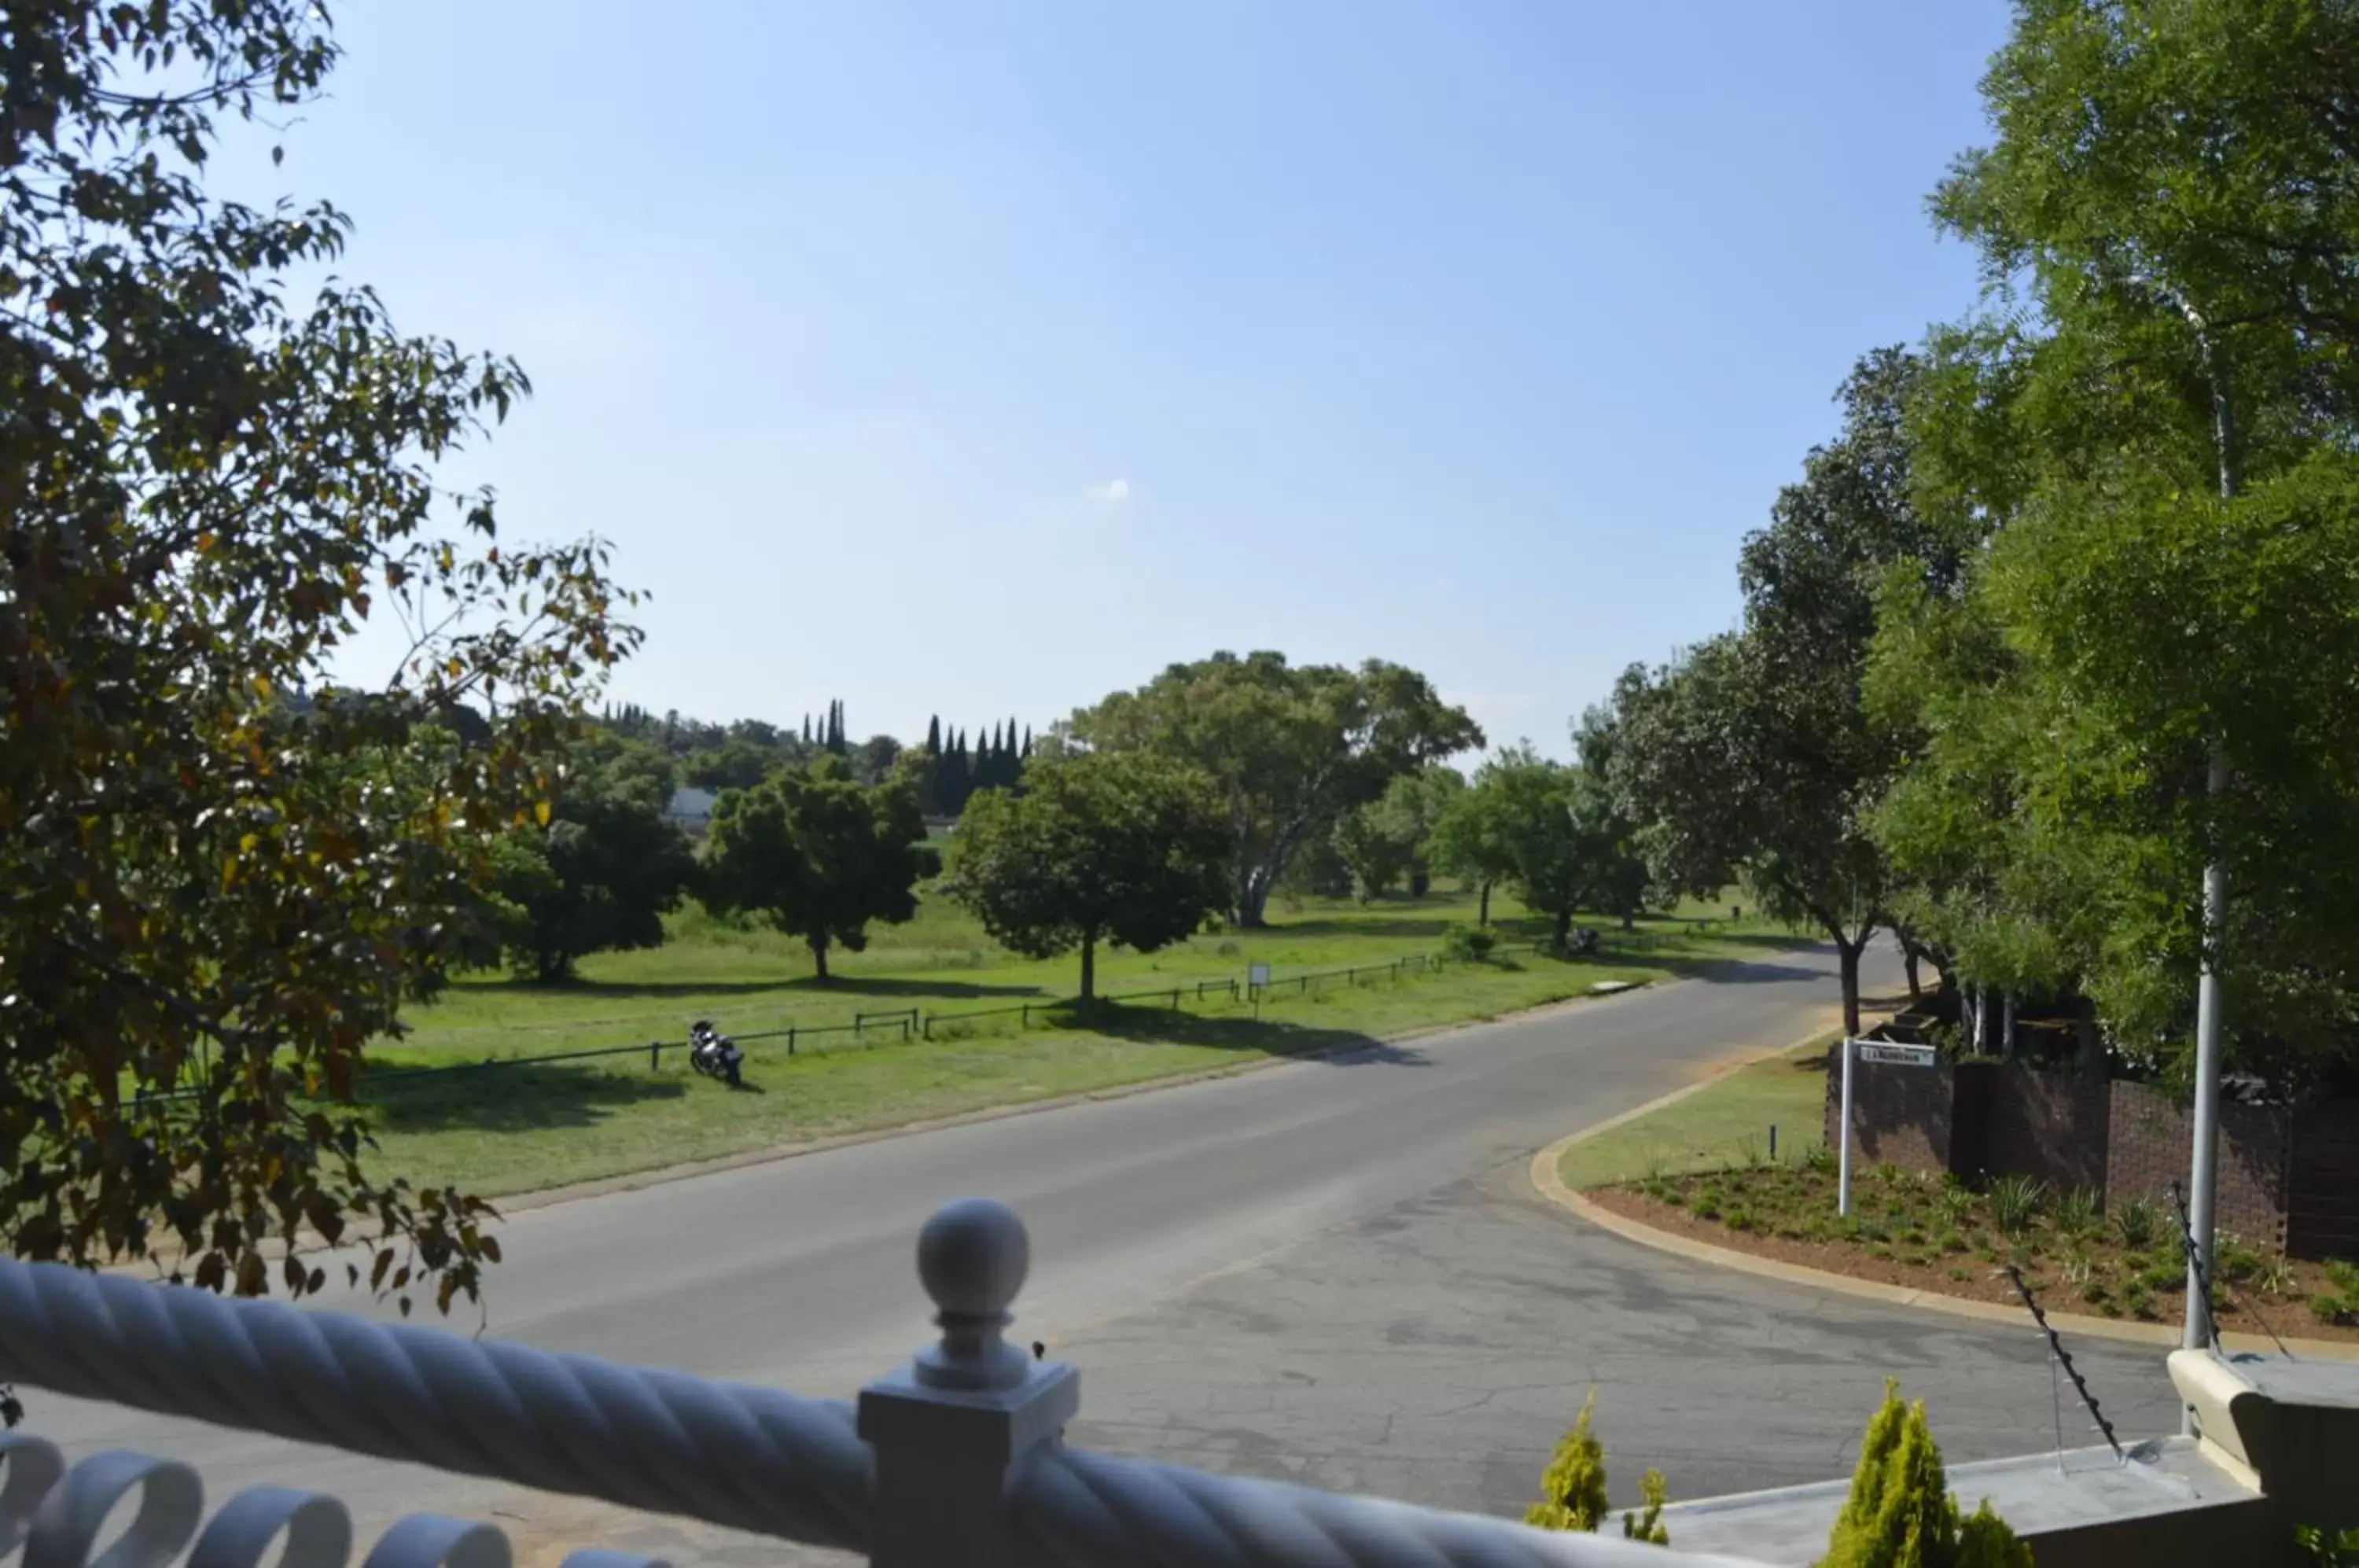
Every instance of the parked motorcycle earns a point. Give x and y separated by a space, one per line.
715 1054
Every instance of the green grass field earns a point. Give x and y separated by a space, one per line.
1726 1123
513 1129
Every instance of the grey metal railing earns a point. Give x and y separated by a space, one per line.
957 1460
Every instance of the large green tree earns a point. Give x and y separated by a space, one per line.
2150 669
1291 748
1546 852
210 481
1130 848
1757 753
819 854
607 866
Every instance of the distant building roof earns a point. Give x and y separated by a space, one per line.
691 806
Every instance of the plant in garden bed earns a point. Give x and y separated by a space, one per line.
2016 1202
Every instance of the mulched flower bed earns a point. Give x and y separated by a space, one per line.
1933 1234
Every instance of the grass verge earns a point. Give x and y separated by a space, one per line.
1731 1121
511 1129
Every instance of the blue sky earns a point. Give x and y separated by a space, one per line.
982 357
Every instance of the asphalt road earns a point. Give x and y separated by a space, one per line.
1334 1271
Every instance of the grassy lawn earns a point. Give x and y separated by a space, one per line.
1726 1123
516 1129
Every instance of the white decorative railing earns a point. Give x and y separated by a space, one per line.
955 1461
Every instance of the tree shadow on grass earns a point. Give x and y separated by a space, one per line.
512 1099
1376 924
880 986
1271 1037
799 985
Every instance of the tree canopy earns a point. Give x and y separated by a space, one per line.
2151 424
1130 848
1755 753
221 877
1291 748
819 854
604 870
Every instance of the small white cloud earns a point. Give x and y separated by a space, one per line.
1114 492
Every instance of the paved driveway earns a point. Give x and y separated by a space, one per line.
1330 1271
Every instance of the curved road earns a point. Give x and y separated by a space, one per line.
1332 1270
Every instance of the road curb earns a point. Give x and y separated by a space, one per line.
1550 1185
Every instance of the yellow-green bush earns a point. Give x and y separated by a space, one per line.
1900 1513
1573 1487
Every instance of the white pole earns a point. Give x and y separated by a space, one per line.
1843 1158
2204 1180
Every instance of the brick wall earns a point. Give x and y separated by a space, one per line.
2322 1196
2285 1180
2152 1140
2052 1125
1901 1115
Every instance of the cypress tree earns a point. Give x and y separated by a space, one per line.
934 735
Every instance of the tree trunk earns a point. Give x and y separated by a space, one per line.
1629 918
1563 929
1850 950
1089 966
1915 990
1482 915
1253 897
819 954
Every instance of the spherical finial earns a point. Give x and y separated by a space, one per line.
973 1257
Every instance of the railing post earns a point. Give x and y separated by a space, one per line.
949 1429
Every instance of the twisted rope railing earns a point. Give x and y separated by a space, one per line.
752 1458
735 1456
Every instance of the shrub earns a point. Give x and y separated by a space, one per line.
2093 1291
2342 1276
1738 1218
1707 1205
2016 1202
2135 1298
1819 1161
1900 1510
1572 1489
1470 944
2328 1309
2076 1211
1961 1275
1950 1241
2135 1221
2324 1548
1648 1526
2234 1262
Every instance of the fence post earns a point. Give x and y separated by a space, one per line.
1175 998
790 1039
951 1427
655 1056
1025 1021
